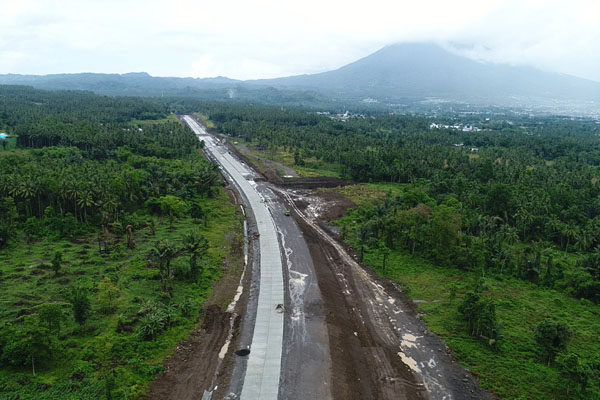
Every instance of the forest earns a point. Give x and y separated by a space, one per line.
113 230
513 205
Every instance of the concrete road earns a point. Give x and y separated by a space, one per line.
301 342
263 368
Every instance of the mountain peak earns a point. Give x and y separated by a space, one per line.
420 70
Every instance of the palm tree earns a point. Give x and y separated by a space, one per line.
85 200
524 218
508 234
571 233
196 246
364 234
163 253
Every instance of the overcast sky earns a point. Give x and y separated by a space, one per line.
263 39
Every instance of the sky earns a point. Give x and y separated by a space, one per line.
263 39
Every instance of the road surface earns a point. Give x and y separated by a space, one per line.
317 324
263 369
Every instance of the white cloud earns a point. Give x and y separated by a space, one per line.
265 38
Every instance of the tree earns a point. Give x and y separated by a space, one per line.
298 160
31 343
364 235
575 371
107 293
8 215
196 246
385 251
172 206
198 211
56 262
129 231
552 337
51 315
480 314
81 304
163 253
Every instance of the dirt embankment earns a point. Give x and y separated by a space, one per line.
363 366
191 370
197 364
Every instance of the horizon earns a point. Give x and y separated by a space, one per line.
267 40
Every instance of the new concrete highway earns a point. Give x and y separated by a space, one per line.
317 324
263 369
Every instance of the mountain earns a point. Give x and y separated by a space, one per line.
408 73
413 71
134 83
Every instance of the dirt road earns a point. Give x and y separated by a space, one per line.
383 350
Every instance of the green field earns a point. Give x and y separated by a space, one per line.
108 342
311 167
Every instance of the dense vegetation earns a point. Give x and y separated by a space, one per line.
515 202
113 229
535 184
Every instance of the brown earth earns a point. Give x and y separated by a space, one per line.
334 205
364 351
364 367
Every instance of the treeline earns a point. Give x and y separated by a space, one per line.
23 104
167 140
448 234
62 188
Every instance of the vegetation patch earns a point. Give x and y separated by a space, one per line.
113 230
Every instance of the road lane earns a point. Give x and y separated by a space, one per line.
264 362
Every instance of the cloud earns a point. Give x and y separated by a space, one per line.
266 38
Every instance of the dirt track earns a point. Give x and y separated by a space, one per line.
379 348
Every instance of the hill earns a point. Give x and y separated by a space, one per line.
417 71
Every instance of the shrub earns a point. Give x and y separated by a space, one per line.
480 314
81 304
552 337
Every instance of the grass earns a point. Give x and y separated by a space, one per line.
516 370
368 193
205 121
311 168
91 351
146 122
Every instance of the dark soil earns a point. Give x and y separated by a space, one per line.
190 371
335 205
359 358
365 364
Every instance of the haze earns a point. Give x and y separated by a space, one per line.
266 39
